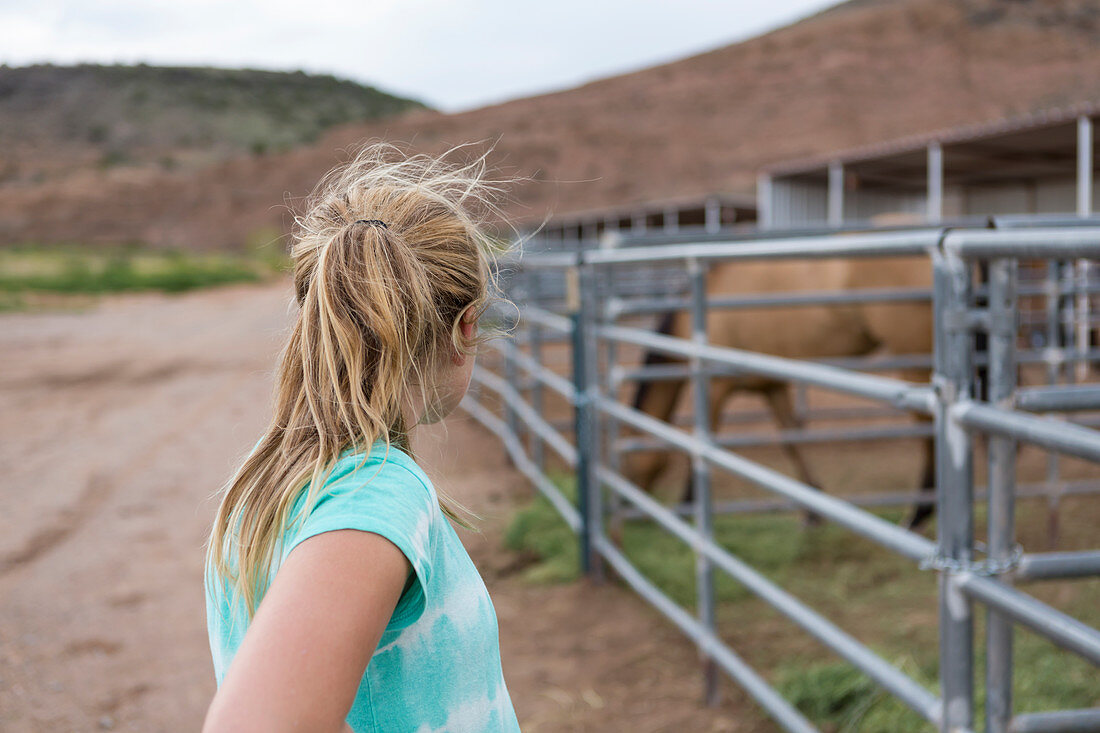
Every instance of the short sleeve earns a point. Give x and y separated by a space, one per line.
392 501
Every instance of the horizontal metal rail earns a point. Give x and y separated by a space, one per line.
1058 565
678 371
546 260
556 322
794 299
546 318
1059 399
658 372
525 465
1060 721
545 375
880 244
793 437
1038 243
1057 435
886 499
636 306
525 412
892 391
1065 631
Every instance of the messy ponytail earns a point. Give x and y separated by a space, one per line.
390 250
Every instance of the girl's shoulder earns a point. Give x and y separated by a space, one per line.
382 491
382 462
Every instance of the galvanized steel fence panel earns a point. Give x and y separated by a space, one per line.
589 290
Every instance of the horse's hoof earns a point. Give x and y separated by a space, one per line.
811 520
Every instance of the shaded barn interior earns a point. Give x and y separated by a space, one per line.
1039 164
711 213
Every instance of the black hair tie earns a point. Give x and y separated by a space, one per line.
372 222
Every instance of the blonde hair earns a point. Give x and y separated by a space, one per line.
380 310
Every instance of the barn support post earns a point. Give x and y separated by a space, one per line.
671 220
954 486
1052 286
1084 166
1084 209
538 447
700 471
835 210
511 372
570 238
638 223
764 205
1002 487
713 215
935 183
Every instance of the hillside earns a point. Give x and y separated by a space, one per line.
864 71
107 116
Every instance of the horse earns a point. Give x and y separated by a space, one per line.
804 332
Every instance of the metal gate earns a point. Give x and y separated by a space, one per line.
575 301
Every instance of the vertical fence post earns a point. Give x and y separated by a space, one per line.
1053 354
954 485
700 471
615 503
580 393
581 298
1002 487
1084 209
511 374
537 447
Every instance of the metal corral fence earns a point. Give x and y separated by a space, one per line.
574 300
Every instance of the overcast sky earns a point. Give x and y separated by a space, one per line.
451 54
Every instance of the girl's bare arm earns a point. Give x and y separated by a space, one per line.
305 651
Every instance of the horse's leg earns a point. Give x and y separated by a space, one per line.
657 399
926 507
782 407
719 392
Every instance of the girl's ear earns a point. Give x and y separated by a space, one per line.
468 324
468 327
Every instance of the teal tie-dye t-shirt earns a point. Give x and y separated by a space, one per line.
437 666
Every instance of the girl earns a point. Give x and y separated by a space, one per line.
338 595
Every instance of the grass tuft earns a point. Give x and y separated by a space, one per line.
82 270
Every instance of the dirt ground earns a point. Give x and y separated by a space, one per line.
117 426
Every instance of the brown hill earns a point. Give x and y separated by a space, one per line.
864 71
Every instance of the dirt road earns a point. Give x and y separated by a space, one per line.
118 424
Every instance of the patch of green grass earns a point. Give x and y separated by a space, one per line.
539 529
840 699
843 700
86 270
1046 677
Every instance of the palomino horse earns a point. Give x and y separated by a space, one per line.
804 332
